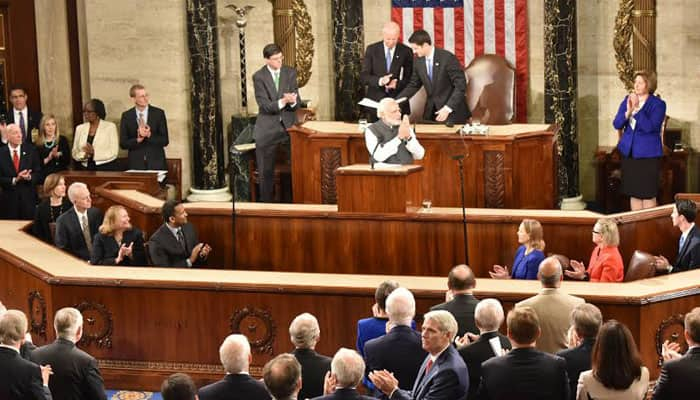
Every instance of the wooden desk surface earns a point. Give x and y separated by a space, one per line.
344 128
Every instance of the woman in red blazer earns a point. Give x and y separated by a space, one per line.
606 262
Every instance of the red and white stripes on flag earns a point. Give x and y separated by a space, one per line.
469 28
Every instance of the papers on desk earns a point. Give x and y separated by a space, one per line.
381 165
375 104
162 174
245 147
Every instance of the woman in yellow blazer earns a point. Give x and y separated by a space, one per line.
96 141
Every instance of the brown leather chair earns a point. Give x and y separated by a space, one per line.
641 266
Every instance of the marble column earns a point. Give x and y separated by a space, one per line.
209 179
348 49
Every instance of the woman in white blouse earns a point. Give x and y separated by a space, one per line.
96 141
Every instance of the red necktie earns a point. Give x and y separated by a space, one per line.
428 366
15 159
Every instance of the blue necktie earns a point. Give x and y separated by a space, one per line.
388 60
430 69
22 127
680 243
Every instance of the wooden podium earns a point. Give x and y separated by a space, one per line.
384 189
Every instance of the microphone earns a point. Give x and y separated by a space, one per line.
371 157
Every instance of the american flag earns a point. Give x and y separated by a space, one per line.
469 28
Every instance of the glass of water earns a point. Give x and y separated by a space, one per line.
362 124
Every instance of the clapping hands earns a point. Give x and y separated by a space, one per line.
500 272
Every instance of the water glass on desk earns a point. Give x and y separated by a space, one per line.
362 125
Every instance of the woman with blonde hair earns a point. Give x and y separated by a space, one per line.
51 207
117 242
606 263
53 148
528 256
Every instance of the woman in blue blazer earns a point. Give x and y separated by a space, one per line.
528 255
640 117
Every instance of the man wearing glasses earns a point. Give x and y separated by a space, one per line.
144 132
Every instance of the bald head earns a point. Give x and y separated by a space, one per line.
550 273
461 279
390 34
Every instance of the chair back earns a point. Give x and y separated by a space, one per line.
417 104
641 266
491 89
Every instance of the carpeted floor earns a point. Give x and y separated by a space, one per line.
132 395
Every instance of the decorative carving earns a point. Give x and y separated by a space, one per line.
37 314
257 325
97 324
189 368
304 40
330 161
622 43
670 329
494 181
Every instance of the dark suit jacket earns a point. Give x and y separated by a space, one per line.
522 374
272 123
235 387
679 378
447 87
448 379
342 394
19 200
56 164
166 251
476 353
313 371
33 119
20 379
374 67
42 218
462 307
69 235
578 360
105 249
689 256
75 373
26 350
148 154
399 351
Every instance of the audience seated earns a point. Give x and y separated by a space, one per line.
53 149
679 374
553 307
489 317
399 351
175 243
528 256
304 334
459 298
237 384
282 376
585 320
19 379
606 262
75 372
443 375
117 242
20 172
48 211
96 141
616 367
683 217
178 387
76 227
347 369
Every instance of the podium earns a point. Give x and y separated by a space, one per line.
395 189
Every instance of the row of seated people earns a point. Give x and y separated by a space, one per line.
556 347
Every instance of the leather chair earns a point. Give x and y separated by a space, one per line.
641 266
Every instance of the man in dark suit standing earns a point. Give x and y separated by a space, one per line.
399 351
75 372
144 132
282 376
586 320
26 119
443 375
347 369
19 175
461 302
439 72
683 217
387 68
178 386
524 373
19 379
237 384
175 243
304 333
679 374
277 95
76 227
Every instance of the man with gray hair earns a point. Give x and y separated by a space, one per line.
346 374
304 334
282 376
553 307
75 372
237 384
19 379
391 139
443 375
76 227
399 351
586 320
27 346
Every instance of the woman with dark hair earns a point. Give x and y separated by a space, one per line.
51 207
96 141
53 149
117 242
529 254
616 367
640 117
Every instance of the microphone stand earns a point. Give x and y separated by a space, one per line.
233 152
460 160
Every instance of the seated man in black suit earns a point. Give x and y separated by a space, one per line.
679 374
304 334
75 372
175 243
19 174
347 369
460 300
19 379
178 386
586 320
443 375
683 217
76 227
237 384
27 120
524 373
489 317
144 132
399 351
282 376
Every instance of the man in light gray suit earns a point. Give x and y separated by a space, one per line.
277 95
